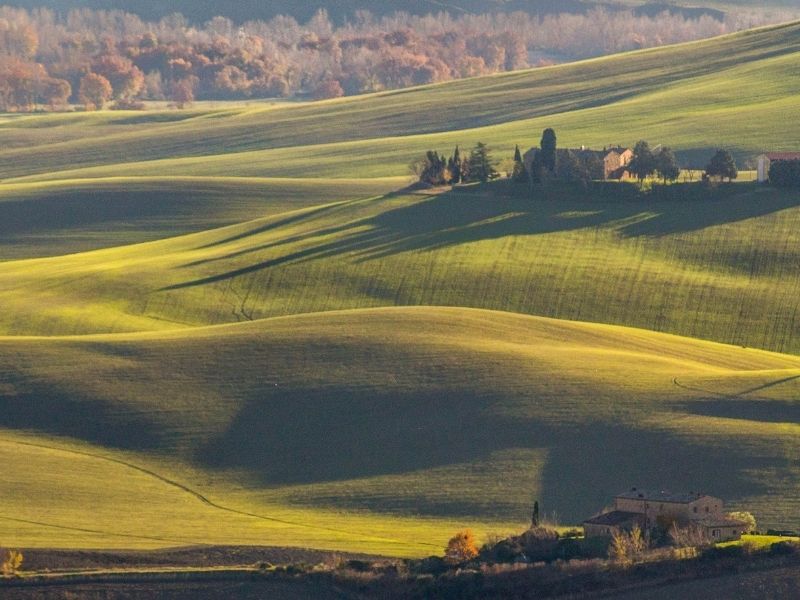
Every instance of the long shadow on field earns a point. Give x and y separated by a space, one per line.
337 436
591 464
764 411
90 219
498 210
44 407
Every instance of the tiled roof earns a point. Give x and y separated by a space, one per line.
614 518
661 496
783 155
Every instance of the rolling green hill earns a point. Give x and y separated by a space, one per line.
724 269
234 324
379 430
69 216
733 91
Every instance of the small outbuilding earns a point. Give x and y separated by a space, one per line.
765 161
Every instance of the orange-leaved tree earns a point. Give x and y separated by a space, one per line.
461 547
95 91
12 562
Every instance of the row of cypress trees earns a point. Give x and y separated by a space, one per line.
437 169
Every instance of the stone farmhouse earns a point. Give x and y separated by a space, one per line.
765 162
646 508
615 163
608 164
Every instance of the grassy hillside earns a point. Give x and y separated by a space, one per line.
70 216
379 430
724 269
270 360
732 91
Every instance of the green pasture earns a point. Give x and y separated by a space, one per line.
69 216
735 91
238 325
378 430
719 265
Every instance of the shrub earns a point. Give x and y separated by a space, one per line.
461 547
361 566
572 533
433 565
785 173
128 104
536 544
784 548
12 563
690 536
627 547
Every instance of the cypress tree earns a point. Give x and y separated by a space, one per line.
520 174
549 147
456 171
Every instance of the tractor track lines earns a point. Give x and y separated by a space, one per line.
197 495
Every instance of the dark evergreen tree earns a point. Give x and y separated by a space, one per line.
433 169
785 173
455 169
549 148
520 173
571 167
535 515
643 163
722 165
481 165
537 169
667 165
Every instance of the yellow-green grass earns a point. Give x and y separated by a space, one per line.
761 541
735 91
67 494
722 267
379 430
70 216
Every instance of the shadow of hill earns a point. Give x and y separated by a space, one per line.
471 214
336 435
47 407
765 411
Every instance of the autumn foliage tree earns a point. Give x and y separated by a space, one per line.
628 546
126 79
182 92
95 91
283 57
330 88
461 547
12 563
